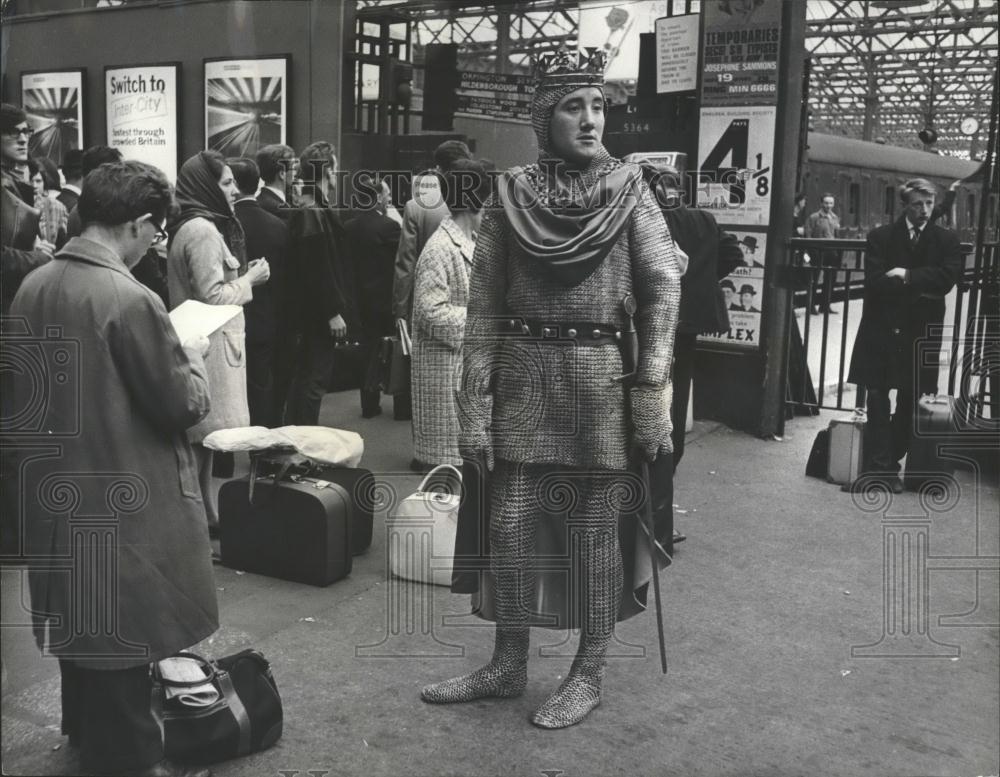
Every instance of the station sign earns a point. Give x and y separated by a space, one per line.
497 95
141 105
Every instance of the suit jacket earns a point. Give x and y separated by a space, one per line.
712 255
421 217
68 198
322 282
274 205
374 240
266 236
897 315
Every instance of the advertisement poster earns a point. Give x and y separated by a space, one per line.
677 54
53 102
735 148
741 52
141 105
494 94
742 292
615 28
246 104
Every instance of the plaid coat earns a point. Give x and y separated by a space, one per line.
440 297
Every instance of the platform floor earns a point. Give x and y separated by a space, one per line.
777 613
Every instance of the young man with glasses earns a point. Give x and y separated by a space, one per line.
140 388
23 249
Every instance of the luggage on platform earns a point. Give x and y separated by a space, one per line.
359 483
422 528
819 455
933 426
846 451
296 529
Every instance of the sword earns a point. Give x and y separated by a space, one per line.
630 364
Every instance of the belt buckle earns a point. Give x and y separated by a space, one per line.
550 331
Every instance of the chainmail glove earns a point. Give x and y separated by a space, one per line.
475 439
651 424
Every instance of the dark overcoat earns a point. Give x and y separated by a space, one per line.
115 533
899 318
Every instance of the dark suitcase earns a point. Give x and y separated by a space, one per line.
298 529
934 426
357 482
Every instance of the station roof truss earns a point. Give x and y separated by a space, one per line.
880 70
885 69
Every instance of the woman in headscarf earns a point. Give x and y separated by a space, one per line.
577 236
207 262
440 297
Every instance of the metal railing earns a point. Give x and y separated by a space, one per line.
822 273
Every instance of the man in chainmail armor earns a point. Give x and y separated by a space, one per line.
542 395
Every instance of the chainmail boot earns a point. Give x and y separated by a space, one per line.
512 545
599 565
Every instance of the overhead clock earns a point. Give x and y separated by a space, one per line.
969 126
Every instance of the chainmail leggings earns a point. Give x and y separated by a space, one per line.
522 493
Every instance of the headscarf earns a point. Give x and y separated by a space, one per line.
200 196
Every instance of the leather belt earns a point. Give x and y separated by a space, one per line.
582 333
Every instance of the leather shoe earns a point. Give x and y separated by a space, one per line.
167 768
678 537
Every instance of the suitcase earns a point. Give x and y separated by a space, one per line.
297 529
819 455
933 426
846 451
357 482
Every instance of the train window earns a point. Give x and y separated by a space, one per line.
854 201
970 217
890 202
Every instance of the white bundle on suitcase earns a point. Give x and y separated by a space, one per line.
422 528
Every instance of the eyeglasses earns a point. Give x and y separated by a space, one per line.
160 236
18 131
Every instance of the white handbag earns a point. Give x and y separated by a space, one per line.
422 528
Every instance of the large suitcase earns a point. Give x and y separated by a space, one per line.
845 461
359 483
933 426
298 529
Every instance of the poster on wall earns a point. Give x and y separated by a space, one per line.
615 27
742 291
54 102
246 103
741 52
141 109
677 54
735 150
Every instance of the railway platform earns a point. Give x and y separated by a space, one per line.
789 653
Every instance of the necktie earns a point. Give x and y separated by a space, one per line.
915 236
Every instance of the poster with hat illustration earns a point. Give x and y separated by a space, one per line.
742 291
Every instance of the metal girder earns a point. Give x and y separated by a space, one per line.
889 71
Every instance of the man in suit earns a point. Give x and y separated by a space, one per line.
909 268
72 168
267 237
747 293
278 167
824 224
374 238
728 289
321 284
421 216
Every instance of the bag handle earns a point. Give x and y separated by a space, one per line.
207 666
456 475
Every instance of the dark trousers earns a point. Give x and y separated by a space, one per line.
286 351
887 437
260 384
107 714
683 371
311 378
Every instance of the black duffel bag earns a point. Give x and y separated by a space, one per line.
246 717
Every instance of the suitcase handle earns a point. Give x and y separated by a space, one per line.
456 476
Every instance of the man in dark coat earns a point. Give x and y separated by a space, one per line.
320 284
909 268
119 560
72 168
712 254
266 236
278 166
374 239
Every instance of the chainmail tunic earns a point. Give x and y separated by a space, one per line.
554 402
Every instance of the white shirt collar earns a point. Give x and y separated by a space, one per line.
911 226
73 188
281 194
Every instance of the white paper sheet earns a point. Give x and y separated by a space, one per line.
193 319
